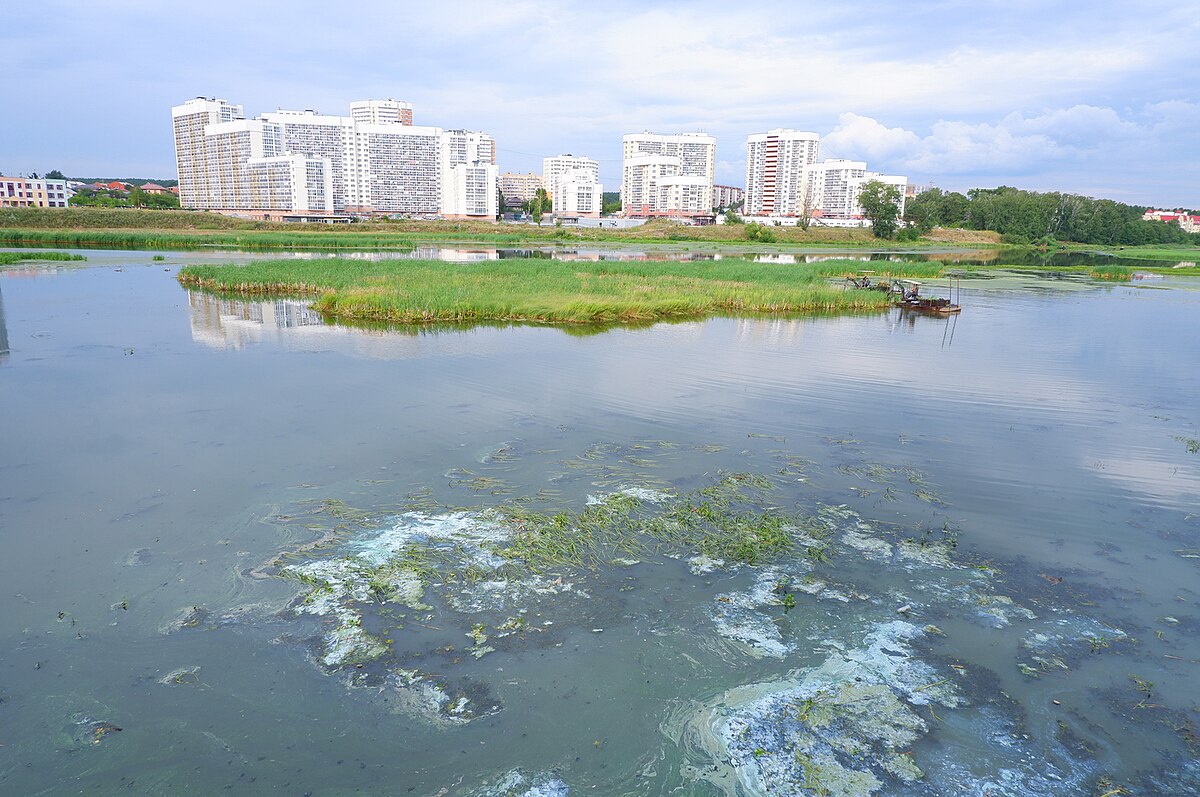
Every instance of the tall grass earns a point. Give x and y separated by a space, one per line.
549 291
9 258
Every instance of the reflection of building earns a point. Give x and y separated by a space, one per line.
3 332
233 324
668 175
306 164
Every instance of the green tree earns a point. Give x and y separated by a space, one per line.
732 217
880 203
539 205
55 175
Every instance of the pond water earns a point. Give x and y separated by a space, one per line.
248 552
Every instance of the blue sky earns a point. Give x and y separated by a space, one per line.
1101 99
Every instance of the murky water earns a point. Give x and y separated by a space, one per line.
247 552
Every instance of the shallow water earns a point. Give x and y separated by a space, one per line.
1018 477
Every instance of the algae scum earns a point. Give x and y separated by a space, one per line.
815 651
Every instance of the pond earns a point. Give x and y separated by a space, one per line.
247 551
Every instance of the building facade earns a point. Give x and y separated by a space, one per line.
303 163
776 162
668 175
835 185
578 194
519 188
33 192
554 167
727 196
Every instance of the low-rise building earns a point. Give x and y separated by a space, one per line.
1186 221
33 192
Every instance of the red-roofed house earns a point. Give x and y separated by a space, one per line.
155 188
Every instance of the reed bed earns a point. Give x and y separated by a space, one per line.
10 258
549 291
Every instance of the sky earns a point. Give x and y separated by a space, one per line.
1100 99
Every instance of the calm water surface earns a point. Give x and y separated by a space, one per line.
1017 482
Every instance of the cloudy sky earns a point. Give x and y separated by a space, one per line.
1099 98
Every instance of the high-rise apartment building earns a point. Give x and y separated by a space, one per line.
558 165
668 175
775 172
727 196
287 163
382 112
835 185
519 188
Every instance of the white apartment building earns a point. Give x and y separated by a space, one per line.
775 171
305 163
727 196
519 188
554 167
835 185
668 175
576 193
382 112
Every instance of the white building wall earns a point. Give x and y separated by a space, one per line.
373 161
695 155
471 191
554 167
775 171
577 193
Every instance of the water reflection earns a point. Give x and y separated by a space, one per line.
3 331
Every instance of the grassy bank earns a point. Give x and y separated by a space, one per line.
548 291
190 229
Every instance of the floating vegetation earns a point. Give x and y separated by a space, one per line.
1191 443
842 728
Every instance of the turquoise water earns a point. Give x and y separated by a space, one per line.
1004 602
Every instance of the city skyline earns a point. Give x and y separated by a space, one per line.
959 94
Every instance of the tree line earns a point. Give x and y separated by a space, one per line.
1029 217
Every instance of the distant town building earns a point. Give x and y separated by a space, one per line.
289 164
155 189
33 192
776 164
727 196
668 175
1186 222
558 165
519 188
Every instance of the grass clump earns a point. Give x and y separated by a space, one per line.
11 258
537 290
